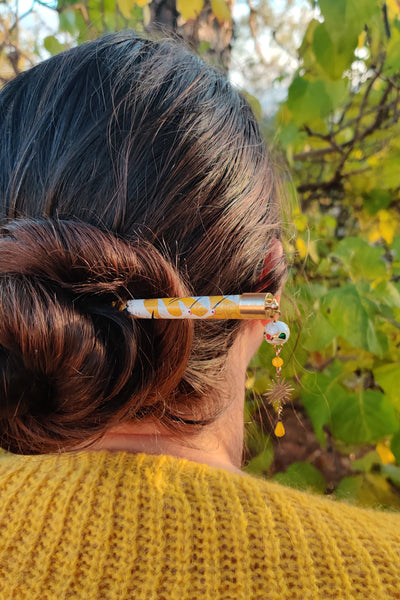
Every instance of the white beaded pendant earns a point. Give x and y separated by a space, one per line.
276 333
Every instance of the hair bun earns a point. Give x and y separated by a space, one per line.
71 363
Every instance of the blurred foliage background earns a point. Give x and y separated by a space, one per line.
324 79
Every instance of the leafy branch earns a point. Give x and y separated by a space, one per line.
385 114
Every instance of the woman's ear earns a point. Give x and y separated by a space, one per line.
274 268
272 260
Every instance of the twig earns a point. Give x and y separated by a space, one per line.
282 47
365 99
391 105
254 32
19 18
311 154
80 7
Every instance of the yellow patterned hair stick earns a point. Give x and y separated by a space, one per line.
237 306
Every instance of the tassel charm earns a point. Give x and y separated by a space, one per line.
277 333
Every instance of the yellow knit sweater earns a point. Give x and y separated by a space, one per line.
100 525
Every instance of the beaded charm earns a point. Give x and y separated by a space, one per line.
277 333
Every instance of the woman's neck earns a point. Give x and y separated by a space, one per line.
149 439
219 444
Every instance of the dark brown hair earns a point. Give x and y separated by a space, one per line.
128 168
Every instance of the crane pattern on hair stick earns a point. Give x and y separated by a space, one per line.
237 306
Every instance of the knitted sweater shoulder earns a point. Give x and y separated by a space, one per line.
116 526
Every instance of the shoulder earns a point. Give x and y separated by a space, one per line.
134 513
324 515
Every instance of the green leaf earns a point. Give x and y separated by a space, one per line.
387 377
347 17
262 462
369 489
344 311
367 462
375 341
392 60
376 200
337 91
352 316
395 446
363 417
53 46
126 6
395 248
319 393
203 47
391 472
308 100
386 172
387 293
349 488
288 134
302 476
362 260
69 20
321 333
333 59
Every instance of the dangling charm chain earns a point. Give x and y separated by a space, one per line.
277 333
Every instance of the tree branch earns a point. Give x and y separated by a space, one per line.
19 18
318 152
80 7
254 32
386 114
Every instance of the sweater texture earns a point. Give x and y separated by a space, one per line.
117 526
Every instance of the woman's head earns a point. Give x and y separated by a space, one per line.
128 168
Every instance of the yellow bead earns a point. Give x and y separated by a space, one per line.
277 361
279 429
